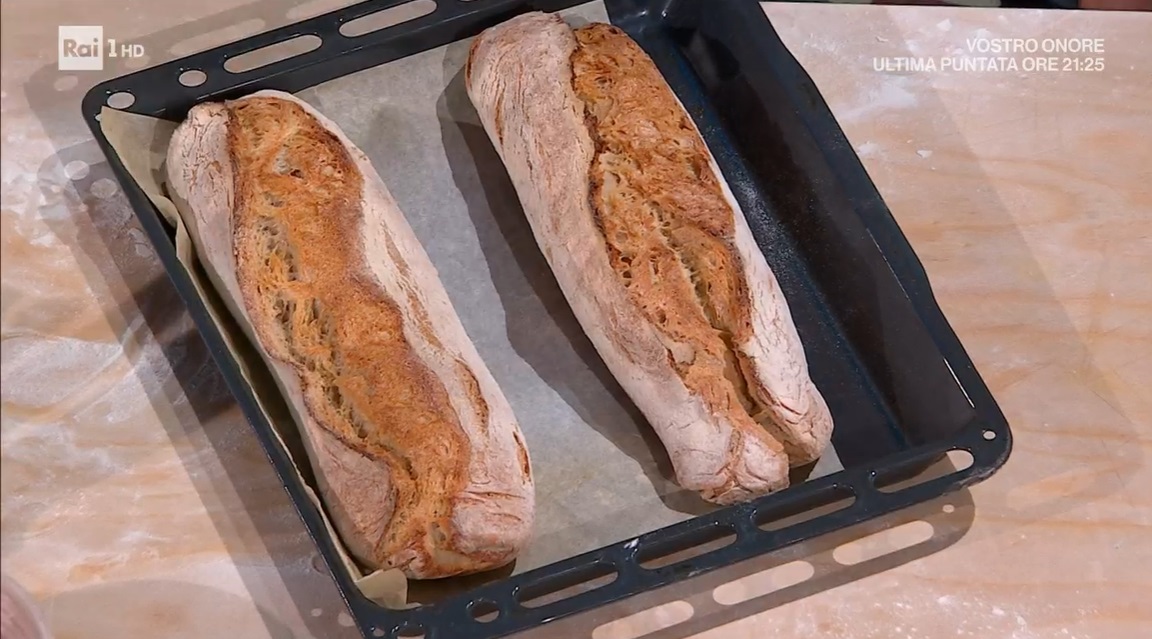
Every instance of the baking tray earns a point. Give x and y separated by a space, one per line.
899 384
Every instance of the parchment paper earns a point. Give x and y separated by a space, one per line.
601 474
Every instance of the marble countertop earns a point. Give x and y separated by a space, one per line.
135 497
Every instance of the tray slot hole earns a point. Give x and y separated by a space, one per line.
193 78
645 623
385 18
272 53
666 552
121 100
989 435
920 471
212 39
763 583
313 8
484 611
566 584
885 542
814 506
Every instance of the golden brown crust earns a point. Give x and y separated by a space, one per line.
302 271
312 220
669 230
520 79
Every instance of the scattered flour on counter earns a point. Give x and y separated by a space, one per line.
967 613
120 403
944 25
823 46
924 153
868 149
54 449
43 240
892 94
1022 631
71 363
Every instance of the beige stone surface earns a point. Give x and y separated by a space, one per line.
137 503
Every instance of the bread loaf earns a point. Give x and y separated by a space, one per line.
419 459
651 250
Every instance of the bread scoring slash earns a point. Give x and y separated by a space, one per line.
651 250
419 460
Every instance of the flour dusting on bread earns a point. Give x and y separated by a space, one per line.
418 456
651 251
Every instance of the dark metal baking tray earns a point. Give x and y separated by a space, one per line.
900 386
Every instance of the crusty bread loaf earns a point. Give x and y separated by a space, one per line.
651 251
419 459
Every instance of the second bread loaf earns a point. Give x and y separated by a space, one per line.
651 251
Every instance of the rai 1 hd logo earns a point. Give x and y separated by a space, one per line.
83 48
